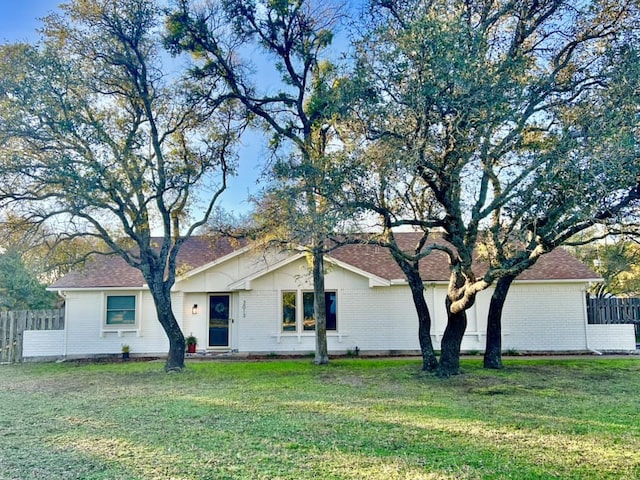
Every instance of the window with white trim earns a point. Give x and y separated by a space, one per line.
289 311
121 311
296 319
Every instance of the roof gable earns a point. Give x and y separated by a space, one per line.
245 283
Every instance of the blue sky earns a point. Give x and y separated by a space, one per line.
19 21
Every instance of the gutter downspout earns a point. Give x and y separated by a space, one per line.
586 323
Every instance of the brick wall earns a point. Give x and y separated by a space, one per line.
43 343
544 317
612 337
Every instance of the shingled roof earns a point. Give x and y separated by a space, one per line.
559 264
196 252
113 271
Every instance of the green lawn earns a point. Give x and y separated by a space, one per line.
354 419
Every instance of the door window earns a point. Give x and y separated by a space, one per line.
219 321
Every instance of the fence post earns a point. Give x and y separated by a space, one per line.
21 326
4 336
12 338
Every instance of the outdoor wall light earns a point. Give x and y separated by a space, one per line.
194 309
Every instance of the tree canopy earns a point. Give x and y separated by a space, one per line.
617 260
20 288
101 137
514 126
297 111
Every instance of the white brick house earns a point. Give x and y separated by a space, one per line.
233 298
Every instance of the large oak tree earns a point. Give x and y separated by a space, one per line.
99 137
289 40
481 101
589 190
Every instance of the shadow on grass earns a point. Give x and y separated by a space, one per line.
353 419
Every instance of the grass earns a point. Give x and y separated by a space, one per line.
354 419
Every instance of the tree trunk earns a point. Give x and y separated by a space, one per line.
456 305
451 341
429 360
175 358
493 350
161 294
319 308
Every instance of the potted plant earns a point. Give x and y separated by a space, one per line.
191 342
125 351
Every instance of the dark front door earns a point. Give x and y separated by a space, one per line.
219 321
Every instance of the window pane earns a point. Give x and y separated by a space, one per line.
331 307
121 303
330 302
288 311
121 317
121 310
308 322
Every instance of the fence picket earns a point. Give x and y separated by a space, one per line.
613 310
13 325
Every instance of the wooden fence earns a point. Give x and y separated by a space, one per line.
613 310
13 325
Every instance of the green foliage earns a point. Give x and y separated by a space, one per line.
113 144
502 124
520 119
100 138
20 288
293 37
357 418
40 251
618 262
